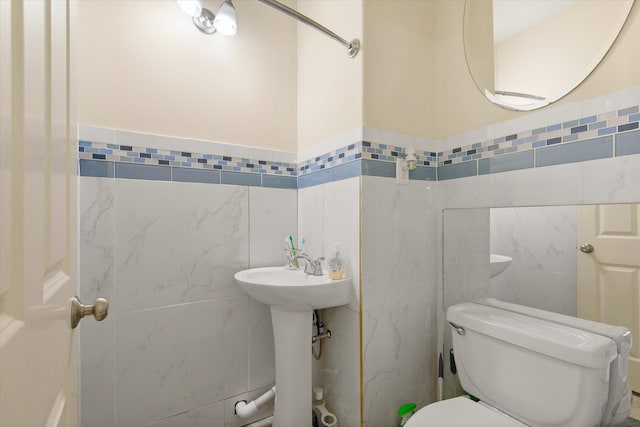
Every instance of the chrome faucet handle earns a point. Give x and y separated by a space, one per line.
317 266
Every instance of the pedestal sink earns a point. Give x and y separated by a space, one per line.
293 295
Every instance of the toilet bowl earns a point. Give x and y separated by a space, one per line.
532 368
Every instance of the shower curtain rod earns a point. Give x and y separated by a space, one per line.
352 47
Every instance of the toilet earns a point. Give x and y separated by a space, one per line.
529 367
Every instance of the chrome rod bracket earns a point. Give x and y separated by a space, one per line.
352 47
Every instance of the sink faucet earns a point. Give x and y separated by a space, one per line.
312 267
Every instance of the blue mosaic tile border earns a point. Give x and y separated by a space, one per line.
595 137
111 169
363 150
560 133
599 136
152 156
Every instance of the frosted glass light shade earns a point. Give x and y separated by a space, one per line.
191 7
225 20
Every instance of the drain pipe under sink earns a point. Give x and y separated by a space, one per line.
245 410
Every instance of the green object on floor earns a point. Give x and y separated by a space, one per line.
405 411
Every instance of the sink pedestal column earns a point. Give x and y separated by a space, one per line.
292 339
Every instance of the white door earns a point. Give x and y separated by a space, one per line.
608 277
38 214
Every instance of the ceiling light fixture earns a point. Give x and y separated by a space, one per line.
224 22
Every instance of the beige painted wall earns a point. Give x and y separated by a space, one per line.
143 66
329 82
461 107
399 65
283 85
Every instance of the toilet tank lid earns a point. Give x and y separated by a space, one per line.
562 342
619 334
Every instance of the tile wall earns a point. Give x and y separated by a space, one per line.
330 213
181 337
384 341
542 242
398 297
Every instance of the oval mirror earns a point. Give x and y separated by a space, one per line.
525 54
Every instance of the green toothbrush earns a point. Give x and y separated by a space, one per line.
293 251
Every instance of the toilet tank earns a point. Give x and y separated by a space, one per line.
619 400
539 372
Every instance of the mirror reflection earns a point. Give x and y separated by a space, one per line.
580 261
525 54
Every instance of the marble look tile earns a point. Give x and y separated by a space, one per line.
341 223
97 373
541 238
273 215
232 420
217 239
310 219
150 244
341 365
612 180
555 292
151 364
96 134
207 416
217 349
471 192
466 255
96 206
97 340
503 288
398 243
262 364
551 185
399 348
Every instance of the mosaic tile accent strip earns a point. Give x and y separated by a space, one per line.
588 138
182 159
333 158
614 122
363 150
389 153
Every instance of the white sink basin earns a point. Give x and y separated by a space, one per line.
293 289
498 264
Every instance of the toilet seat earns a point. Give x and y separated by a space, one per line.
461 412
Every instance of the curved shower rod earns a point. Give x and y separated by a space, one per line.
352 47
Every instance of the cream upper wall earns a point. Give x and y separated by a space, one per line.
329 82
282 85
460 105
143 66
399 65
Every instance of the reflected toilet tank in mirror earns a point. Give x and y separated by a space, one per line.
524 55
548 270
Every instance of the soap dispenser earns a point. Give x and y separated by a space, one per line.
336 264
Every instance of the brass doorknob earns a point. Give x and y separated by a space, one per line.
587 248
100 310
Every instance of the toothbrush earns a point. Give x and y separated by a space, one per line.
293 250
